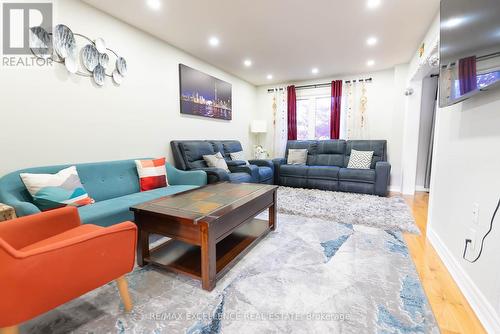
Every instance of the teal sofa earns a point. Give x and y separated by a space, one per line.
114 185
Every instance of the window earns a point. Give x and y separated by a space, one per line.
313 117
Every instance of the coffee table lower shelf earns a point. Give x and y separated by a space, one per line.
178 256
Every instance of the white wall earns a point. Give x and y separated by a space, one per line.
426 114
466 170
51 117
385 111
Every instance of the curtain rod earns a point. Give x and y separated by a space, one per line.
320 85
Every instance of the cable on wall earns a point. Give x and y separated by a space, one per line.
468 241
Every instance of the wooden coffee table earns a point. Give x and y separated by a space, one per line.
210 228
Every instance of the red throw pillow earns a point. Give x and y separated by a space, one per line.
152 174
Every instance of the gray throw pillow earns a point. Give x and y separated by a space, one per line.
360 159
238 156
297 156
216 161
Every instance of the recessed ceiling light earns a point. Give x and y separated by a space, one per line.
247 62
154 4
370 62
269 77
373 3
315 70
372 41
213 41
453 22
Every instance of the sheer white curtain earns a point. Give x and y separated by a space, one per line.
355 121
280 125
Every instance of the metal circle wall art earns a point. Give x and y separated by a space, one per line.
64 41
117 77
93 60
121 66
41 42
99 75
100 45
90 57
103 59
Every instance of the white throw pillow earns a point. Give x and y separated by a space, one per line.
360 159
297 156
216 161
238 156
50 191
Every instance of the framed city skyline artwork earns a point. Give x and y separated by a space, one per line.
204 95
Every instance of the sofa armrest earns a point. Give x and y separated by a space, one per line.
215 174
262 163
181 177
27 230
23 208
249 169
382 178
277 164
231 163
64 270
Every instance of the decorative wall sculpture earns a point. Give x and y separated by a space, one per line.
92 61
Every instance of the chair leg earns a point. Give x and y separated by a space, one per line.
123 288
9 330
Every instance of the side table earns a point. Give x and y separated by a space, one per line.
6 212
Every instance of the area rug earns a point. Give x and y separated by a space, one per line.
309 276
390 213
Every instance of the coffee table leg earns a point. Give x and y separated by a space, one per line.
208 258
142 247
273 212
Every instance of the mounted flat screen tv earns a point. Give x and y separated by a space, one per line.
469 49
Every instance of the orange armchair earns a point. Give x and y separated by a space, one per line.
50 258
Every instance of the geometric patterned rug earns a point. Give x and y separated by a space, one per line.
309 276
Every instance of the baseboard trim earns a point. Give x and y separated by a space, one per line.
483 309
421 188
395 189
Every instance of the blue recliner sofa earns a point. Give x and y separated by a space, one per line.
114 185
188 155
326 167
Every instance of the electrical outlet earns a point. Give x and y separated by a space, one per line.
472 236
475 214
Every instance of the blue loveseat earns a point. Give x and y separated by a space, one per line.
114 185
188 155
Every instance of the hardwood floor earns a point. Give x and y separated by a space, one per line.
452 311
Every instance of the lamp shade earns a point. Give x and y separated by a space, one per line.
258 126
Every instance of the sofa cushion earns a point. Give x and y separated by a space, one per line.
265 173
309 145
324 172
194 151
294 170
357 175
240 177
329 153
231 146
377 146
117 210
297 156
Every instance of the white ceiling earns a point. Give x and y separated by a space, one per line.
285 38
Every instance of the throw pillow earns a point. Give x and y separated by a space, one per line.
51 191
239 156
152 174
360 159
216 161
297 156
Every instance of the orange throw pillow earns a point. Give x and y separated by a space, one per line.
152 174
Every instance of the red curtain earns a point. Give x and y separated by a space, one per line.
467 74
336 101
292 113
